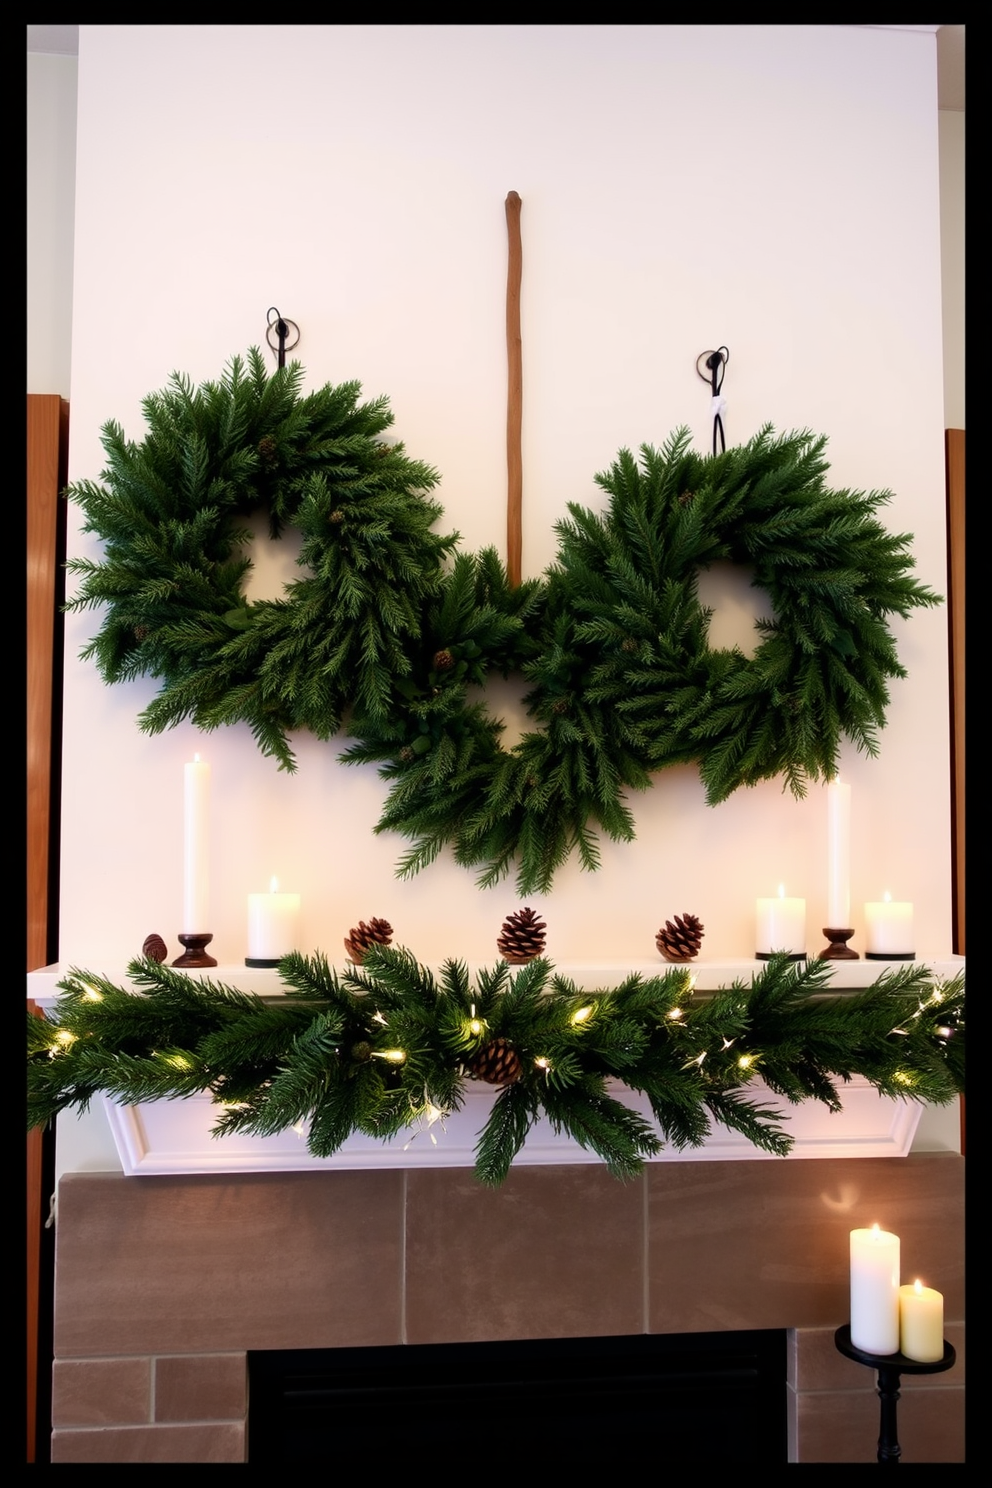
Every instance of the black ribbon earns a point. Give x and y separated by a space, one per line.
715 363
281 328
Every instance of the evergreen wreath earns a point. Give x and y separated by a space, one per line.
386 1047
387 637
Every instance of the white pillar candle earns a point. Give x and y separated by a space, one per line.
838 856
889 929
781 925
273 925
875 1291
921 1323
196 848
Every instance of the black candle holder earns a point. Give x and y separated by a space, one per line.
194 954
838 949
890 1367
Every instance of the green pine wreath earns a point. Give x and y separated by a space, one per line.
391 632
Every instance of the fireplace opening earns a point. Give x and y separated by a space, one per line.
696 1397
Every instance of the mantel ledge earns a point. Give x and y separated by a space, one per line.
589 975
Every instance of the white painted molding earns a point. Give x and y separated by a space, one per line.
163 1137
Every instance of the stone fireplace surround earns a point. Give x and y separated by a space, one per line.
164 1283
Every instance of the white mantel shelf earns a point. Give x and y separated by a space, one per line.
173 1137
589 976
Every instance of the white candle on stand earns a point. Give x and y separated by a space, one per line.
273 925
196 848
889 929
875 1291
781 926
921 1323
838 856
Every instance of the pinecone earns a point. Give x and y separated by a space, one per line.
357 942
498 1063
443 660
522 938
140 632
336 517
154 948
267 450
681 941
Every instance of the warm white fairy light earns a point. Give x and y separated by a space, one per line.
745 1061
65 1038
392 1056
475 1025
543 1064
582 1014
428 1115
675 1014
91 994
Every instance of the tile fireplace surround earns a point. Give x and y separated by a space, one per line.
164 1283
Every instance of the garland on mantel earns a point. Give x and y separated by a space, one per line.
382 634
388 1047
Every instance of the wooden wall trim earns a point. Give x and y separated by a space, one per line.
954 454
47 450
45 476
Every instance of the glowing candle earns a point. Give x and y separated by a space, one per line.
921 1323
273 926
838 855
196 847
889 930
781 926
875 1291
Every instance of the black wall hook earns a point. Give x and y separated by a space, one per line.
281 328
716 364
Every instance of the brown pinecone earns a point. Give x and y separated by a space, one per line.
336 517
376 932
267 450
497 1062
681 941
522 938
443 660
154 948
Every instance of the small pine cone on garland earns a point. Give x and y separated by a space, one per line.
522 939
376 932
443 660
681 941
497 1062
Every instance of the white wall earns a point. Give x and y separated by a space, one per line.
951 139
51 162
773 188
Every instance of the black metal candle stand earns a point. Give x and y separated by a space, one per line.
890 1367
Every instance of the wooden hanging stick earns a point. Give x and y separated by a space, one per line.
514 393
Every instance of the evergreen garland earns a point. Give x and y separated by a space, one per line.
388 636
382 1047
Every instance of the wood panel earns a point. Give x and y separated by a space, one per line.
47 445
45 472
954 450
